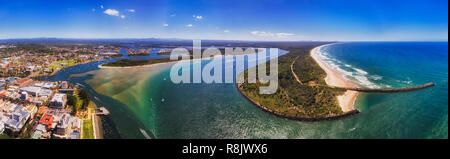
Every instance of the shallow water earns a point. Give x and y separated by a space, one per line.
135 96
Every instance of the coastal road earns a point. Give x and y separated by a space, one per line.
292 70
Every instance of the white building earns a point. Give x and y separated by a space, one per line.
58 101
34 91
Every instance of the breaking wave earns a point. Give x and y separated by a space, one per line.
349 72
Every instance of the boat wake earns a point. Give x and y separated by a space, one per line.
145 134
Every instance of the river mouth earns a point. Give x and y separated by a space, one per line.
219 111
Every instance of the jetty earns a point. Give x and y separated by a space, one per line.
385 90
101 111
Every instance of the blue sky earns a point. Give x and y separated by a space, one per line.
281 20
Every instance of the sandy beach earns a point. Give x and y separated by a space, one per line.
334 78
141 66
156 64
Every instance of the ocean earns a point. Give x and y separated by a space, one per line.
419 114
145 103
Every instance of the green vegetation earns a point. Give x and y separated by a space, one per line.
68 62
295 100
139 54
88 129
84 95
128 62
62 64
4 136
78 101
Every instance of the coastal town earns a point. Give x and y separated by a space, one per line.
35 60
46 110
36 109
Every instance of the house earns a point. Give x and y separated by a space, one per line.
46 120
4 94
58 101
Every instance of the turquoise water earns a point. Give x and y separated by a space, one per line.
420 114
219 111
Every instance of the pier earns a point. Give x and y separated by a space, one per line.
101 111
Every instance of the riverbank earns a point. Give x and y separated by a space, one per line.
291 117
334 78
141 66
41 74
127 63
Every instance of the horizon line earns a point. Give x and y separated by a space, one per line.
31 38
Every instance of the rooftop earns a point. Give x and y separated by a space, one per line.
58 97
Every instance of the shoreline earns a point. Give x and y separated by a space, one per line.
96 123
278 114
154 64
141 66
334 78
348 99
169 62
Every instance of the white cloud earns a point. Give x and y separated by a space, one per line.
262 33
284 34
226 31
166 25
173 15
197 17
101 6
131 10
122 16
189 25
270 34
111 12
